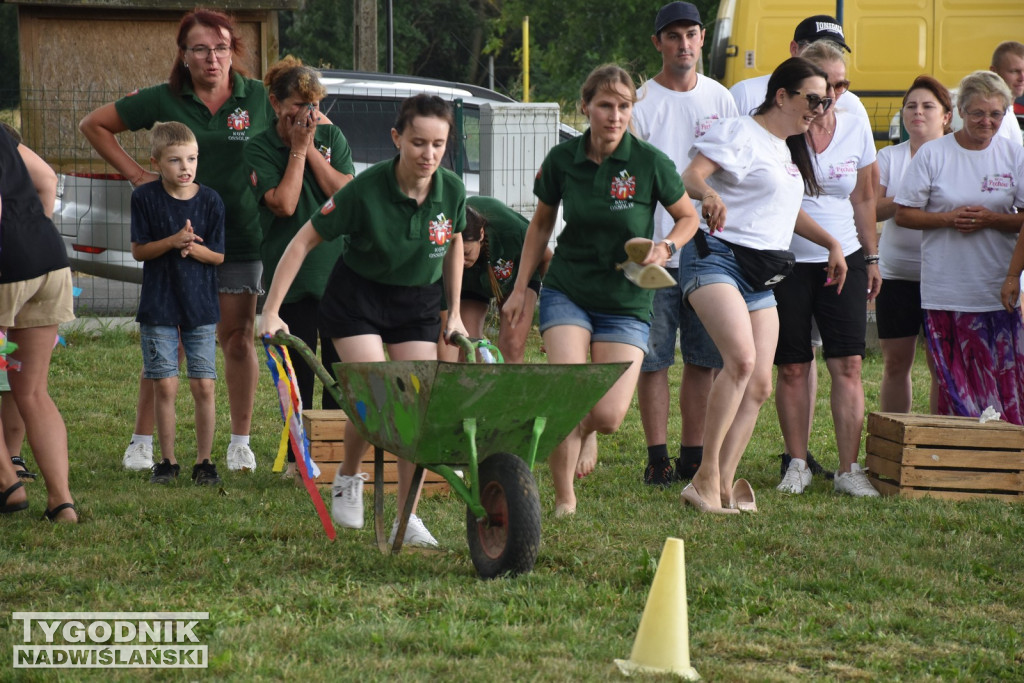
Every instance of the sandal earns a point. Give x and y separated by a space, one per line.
23 472
52 514
13 507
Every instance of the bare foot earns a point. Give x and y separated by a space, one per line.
564 510
587 460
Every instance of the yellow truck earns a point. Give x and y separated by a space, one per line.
893 42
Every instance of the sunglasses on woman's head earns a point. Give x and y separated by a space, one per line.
814 101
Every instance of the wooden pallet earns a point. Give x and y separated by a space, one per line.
956 458
326 432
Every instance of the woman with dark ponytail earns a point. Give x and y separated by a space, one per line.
750 174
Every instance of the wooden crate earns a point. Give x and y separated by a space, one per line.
326 432
957 458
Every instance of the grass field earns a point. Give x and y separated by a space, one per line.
813 587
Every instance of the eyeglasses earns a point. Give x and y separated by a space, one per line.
977 116
203 51
814 100
840 87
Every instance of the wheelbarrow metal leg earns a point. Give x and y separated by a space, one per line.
410 501
473 501
378 498
539 423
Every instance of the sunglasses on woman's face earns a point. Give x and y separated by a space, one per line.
814 100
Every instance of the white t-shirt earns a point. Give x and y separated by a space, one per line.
1010 129
851 149
671 121
964 272
898 247
758 182
749 95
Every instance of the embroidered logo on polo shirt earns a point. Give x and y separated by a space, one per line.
327 207
503 269
440 230
997 182
252 178
704 125
844 168
238 119
325 152
623 190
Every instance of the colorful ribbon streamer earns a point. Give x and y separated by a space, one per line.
283 374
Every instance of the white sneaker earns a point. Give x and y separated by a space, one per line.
138 456
347 499
797 477
854 483
240 457
416 534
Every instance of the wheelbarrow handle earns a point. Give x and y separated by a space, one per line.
280 338
489 351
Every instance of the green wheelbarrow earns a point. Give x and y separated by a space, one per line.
481 426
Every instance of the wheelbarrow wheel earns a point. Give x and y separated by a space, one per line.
507 541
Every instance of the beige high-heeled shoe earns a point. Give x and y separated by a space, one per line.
743 498
692 496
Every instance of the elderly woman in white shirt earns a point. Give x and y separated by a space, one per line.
962 191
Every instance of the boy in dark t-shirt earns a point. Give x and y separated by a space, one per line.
178 232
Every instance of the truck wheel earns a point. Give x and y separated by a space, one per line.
507 541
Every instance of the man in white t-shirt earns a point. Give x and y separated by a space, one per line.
673 109
1008 62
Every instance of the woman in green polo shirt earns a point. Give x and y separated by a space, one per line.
224 110
609 183
491 245
294 167
399 224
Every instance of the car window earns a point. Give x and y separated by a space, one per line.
367 121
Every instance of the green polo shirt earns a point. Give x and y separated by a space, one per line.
221 137
267 157
386 237
505 231
603 206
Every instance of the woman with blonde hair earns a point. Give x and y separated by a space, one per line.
609 183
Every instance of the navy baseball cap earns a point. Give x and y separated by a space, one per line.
676 11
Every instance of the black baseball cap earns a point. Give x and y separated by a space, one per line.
820 27
676 11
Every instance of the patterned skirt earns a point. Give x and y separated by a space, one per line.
979 362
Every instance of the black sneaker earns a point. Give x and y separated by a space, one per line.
688 462
659 472
813 465
205 474
164 472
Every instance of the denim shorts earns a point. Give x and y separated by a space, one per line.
240 277
669 316
558 309
719 266
160 351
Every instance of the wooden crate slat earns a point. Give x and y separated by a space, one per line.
432 483
883 467
324 425
887 488
946 431
961 479
933 456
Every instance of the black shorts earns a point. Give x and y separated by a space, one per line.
474 295
898 309
353 305
841 318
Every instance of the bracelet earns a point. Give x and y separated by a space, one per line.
871 259
1013 277
708 195
298 156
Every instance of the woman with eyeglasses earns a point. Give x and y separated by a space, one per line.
927 112
750 174
963 191
210 94
842 147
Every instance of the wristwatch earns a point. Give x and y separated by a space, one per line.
671 247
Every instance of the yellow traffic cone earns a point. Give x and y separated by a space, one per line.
662 642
